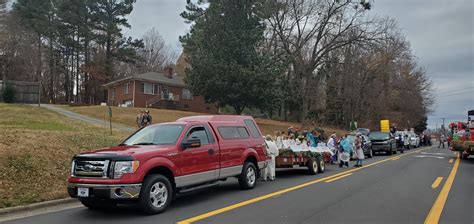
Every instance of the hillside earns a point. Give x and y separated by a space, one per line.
36 147
126 116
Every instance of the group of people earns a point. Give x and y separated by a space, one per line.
143 118
341 148
344 148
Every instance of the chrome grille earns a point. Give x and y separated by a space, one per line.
91 168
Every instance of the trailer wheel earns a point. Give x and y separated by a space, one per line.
321 164
312 166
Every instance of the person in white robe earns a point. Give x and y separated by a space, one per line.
272 152
279 140
332 145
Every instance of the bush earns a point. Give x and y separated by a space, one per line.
9 94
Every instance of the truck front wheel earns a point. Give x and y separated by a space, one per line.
248 177
156 194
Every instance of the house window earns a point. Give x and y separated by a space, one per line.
187 95
149 88
113 93
126 88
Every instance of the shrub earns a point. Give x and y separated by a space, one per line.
9 94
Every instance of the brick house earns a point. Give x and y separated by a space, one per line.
156 90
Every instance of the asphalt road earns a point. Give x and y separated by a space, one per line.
388 189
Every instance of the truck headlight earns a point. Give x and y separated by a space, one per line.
122 167
73 164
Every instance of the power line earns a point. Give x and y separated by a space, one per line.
459 93
451 91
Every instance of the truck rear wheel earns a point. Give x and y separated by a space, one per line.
248 177
312 166
156 194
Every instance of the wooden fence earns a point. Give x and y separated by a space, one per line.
25 92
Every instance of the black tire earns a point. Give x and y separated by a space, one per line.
312 166
371 154
321 164
390 151
95 204
248 177
159 184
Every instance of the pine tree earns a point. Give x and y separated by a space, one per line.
223 45
109 17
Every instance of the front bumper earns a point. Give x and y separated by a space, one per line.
380 148
106 191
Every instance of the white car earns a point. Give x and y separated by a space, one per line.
414 139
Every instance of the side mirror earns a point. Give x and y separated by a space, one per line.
191 143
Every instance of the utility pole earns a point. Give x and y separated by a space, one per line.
444 127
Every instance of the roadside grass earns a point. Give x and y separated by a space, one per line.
127 116
36 147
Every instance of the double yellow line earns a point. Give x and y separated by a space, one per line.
435 212
278 193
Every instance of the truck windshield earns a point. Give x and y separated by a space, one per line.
165 134
379 136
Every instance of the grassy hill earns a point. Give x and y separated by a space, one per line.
127 116
36 147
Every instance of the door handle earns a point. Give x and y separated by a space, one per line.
211 152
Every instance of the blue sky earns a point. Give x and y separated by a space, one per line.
441 34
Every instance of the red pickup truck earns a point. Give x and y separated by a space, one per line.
155 163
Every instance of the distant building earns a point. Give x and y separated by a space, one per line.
156 90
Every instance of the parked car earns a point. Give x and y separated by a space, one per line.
159 161
364 131
383 142
366 144
414 140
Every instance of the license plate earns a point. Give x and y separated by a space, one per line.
82 192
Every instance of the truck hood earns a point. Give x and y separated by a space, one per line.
127 151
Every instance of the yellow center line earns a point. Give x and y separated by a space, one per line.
437 182
435 212
263 197
396 158
337 178
451 161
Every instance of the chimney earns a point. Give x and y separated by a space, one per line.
168 72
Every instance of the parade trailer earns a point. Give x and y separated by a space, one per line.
463 136
314 158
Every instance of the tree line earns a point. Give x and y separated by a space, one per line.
317 61
323 61
74 47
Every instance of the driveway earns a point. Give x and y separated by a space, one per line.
86 119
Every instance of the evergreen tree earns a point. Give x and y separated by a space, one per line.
109 17
228 66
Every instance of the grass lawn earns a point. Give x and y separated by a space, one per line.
36 147
127 116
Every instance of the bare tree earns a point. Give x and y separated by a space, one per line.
309 30
156 54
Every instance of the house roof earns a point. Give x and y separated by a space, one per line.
152 77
